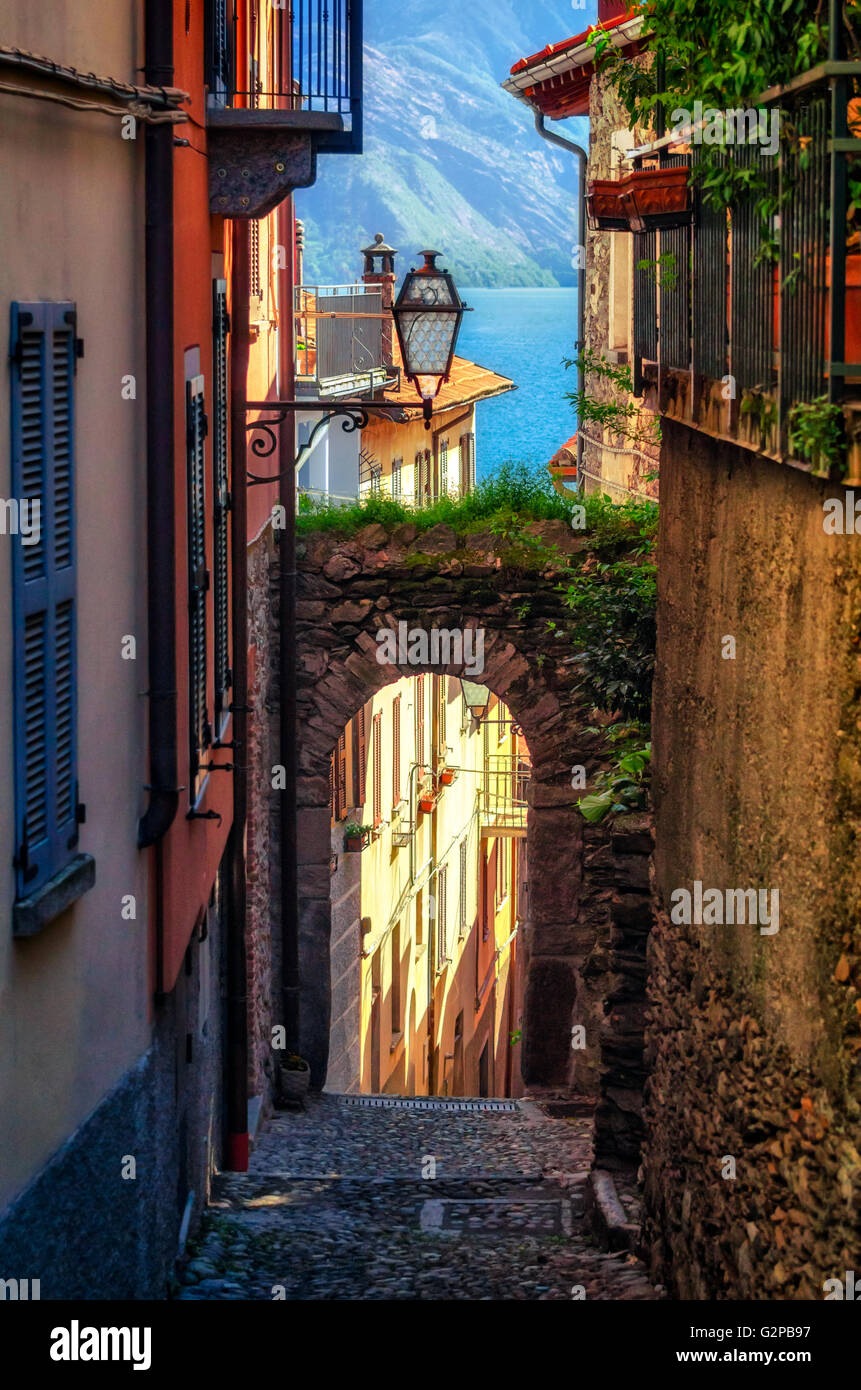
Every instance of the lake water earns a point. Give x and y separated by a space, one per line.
523 334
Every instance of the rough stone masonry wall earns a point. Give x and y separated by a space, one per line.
262 858
619 1113
349 589
754 1041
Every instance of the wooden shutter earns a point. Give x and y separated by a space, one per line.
467 462
221 501
378 768
442 915
200 734
396 750
43 360
420 721
361 759
443 468
341 776
463 887
397 480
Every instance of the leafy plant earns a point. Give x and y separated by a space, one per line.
763 409
664 270
623 787
619 414
816 434
354 831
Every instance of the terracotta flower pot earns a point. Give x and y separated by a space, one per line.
447 776
604 207
353 844
653 198
427 803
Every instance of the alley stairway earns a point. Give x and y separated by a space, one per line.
358 1199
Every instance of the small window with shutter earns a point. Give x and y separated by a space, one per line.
221 504
40 517
200 729
377 768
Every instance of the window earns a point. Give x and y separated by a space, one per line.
441 696
463 905
467 462
397 479
218 50
200 731
341 777
396 751
503 847
443 468
397 1026
254 258
44 579
442 915
377 751
221 496
360 758
420 721
423 475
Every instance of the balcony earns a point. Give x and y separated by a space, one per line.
746 329
339 336
269 114
503 796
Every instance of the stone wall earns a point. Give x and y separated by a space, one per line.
619 1113
347 591
752 1162
262 941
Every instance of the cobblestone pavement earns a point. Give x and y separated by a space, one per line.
343 1202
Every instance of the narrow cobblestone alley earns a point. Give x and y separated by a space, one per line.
335 1206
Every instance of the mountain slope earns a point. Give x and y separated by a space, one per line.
450 159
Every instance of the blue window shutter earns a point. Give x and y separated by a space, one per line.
43 354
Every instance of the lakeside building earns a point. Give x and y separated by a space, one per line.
562 81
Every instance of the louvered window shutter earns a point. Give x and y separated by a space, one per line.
377 755
443 468
221 508
43 355
198 575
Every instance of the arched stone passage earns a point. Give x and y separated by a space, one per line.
347 591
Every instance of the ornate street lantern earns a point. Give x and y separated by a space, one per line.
427 316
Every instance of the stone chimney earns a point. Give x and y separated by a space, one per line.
380 270
300 252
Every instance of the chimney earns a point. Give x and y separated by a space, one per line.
300 251
380 270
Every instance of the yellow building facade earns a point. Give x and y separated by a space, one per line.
428 826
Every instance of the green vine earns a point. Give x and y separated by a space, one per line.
621 415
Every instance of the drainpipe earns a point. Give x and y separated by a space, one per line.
161 560
237 1002
580 154
290 973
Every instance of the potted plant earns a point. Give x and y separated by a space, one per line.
605 211
427 801
447 776
356 837
294 1078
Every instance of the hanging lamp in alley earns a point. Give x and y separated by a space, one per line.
427 315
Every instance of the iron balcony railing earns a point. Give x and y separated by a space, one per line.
757 331
317 67
339 338
505 783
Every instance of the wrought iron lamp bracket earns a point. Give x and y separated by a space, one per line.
354 415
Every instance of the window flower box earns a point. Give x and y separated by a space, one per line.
427 802
642 201
447 776
356 838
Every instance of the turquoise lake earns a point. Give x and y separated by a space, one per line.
524 334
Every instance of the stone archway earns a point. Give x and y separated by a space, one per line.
349 589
